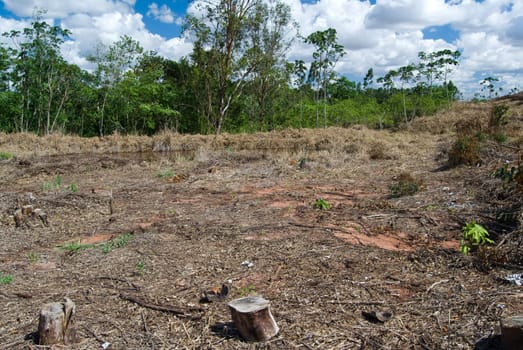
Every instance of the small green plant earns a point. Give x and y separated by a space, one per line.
73 187
322 204
33 257
140 267
73 247
117 242
473 235
405 186
5 155
165 174
55 184
5 279
247 290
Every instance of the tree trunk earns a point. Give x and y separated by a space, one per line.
512 332
253 319
55 321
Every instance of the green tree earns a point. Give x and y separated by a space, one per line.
112 63
489 88
39 73
267 31
221 54
327 54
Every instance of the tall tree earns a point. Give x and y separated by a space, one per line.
327 54
220 54
39 72
112 63
267 31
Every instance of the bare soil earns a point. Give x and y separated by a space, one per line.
239 210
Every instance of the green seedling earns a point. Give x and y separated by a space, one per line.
140 268
5 279
5 155
322 204
248 290
73 187
73 247
473 235
117 242
33 257
165 174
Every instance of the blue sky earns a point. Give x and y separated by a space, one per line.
382 34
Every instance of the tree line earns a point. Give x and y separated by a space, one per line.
237 79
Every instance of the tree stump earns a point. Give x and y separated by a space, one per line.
512 332
253 319
55 321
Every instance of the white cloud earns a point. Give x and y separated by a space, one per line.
61 9
163 13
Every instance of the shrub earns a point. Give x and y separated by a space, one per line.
5 155
406 185
473 235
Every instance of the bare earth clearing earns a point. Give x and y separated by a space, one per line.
221 204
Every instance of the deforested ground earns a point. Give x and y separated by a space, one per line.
137 231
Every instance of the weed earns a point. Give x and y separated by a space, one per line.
497 121
55 184
5 279
117 242
405 186
248 290
322 204
73 187
474 235
73 247
5 155
514 174
165 174
465 151
33 257
140 268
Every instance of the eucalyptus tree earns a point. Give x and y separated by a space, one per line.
39 73
299 74
268 32
223 55
112 62
327 54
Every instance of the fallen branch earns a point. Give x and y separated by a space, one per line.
435 284
176 311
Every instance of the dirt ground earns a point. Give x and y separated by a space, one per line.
135 231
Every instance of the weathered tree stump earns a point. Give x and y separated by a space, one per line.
253 319
512 332
55 321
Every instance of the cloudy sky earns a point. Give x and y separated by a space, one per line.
382 34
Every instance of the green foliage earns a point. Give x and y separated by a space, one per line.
5 155
5 278
497 121
406 185
117 242
74 247
140 267
511 174
73 187
55 184
165 174
322 204
237 80
473 235
33 257
247 290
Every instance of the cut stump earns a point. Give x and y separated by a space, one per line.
55 321
253 319
512 332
